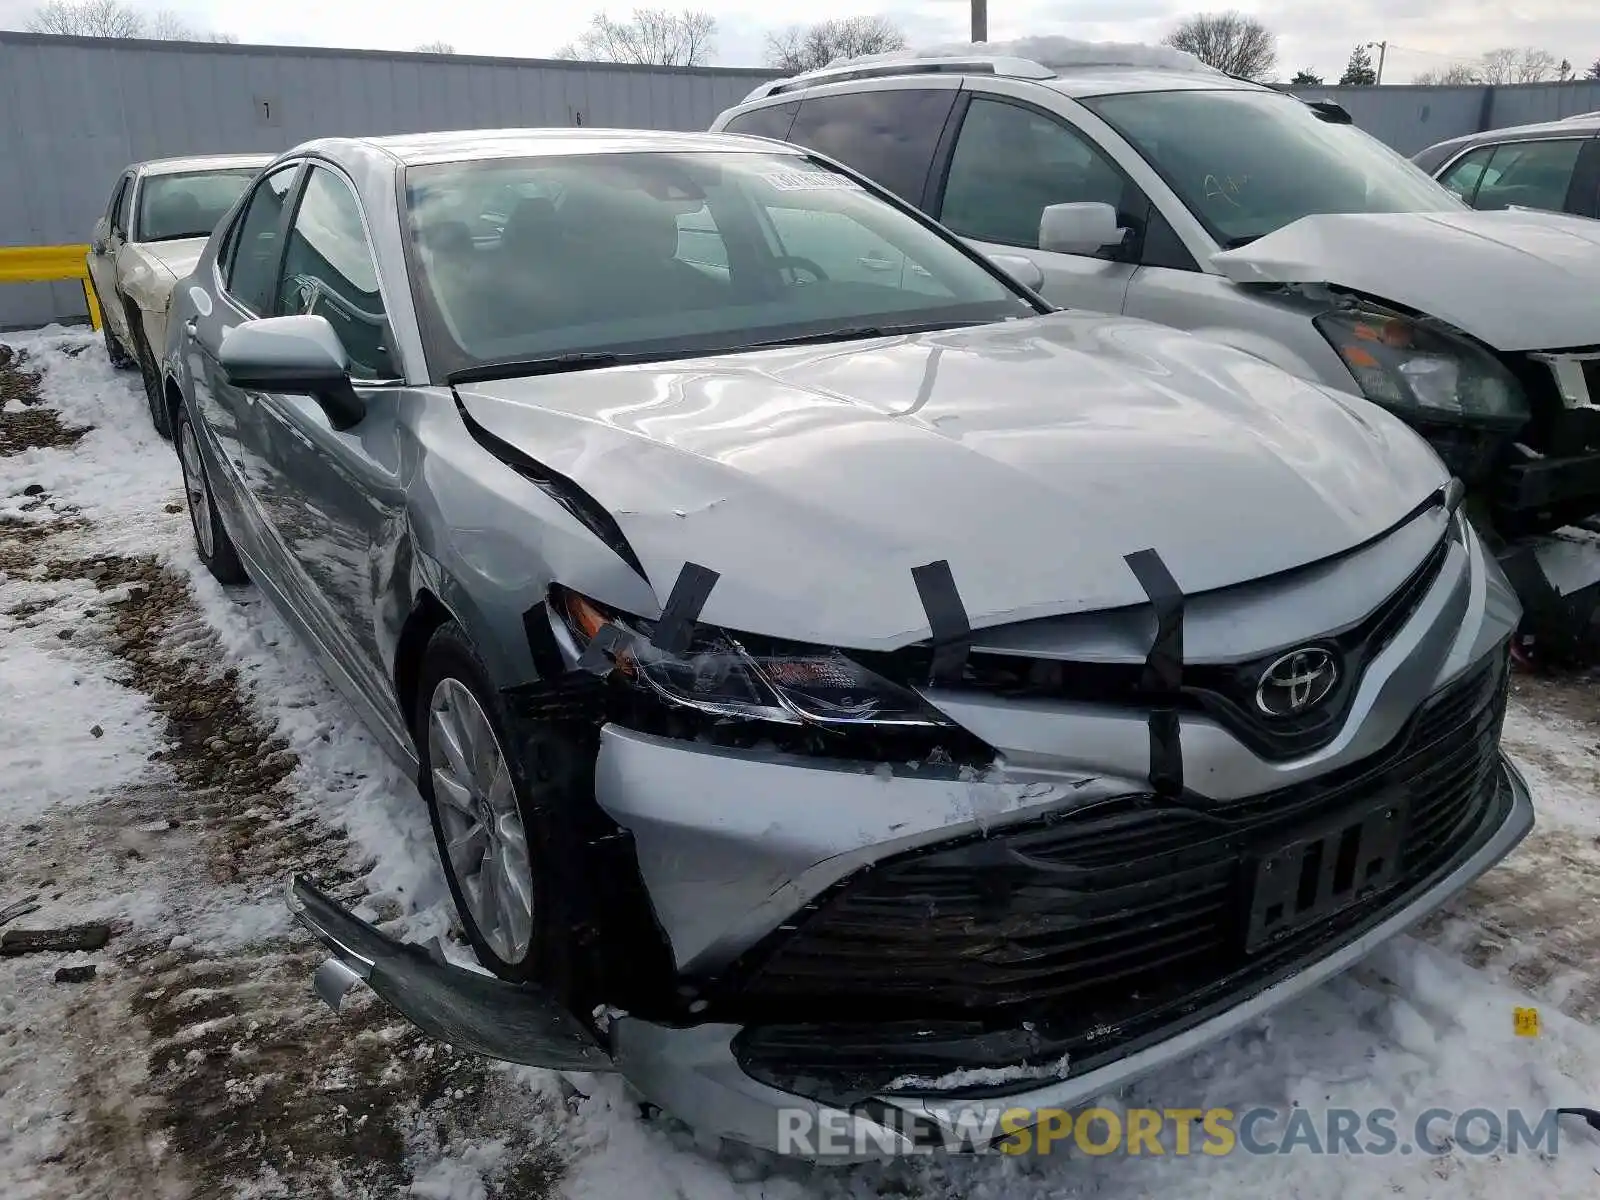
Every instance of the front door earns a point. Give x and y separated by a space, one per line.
110 235
1010 162
333 500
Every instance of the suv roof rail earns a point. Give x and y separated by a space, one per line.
905 64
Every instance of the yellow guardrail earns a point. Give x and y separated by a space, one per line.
47 264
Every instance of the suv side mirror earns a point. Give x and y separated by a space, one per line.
1080 228
300 355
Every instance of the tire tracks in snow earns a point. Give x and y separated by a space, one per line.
199 1063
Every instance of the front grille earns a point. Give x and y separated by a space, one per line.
1224 692
1081 935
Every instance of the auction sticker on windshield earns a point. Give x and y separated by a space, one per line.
805 181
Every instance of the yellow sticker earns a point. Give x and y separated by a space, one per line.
1525 1021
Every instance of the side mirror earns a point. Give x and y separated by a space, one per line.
1024 270
1081 228
298 355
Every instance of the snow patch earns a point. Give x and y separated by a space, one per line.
978 1077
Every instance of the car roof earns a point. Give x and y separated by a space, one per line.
1063 65
413 149
1584 125
202 162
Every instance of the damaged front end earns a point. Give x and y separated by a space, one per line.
1522 431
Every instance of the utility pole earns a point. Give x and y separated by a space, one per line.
1382 48
980 20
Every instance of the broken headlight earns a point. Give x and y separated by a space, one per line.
1423 372
721 676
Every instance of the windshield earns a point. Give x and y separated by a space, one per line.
663 254
1247 163
187 205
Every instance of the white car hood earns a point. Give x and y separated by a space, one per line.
1513 279
1033 455
178 257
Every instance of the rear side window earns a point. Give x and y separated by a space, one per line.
888 135
772 122
1529 175
253 270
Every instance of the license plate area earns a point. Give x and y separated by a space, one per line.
1329 868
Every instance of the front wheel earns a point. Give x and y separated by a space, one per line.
211 540
489 812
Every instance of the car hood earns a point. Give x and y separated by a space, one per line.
1513 279
1033 455
178 257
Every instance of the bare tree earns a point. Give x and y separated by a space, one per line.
113 19
435 48
87 18
1594 70
1455 75
1228 41
806 48
651 35
1509 64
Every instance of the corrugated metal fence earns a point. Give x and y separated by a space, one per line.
75 111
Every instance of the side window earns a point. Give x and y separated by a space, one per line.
700 242
329 270
846 251
1467 172
888 135
1530 175
1010 163
773 121
253 256
119 222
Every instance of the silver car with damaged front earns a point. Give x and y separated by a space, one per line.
840 684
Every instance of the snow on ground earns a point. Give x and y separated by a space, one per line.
197 1063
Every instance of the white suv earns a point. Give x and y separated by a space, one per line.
1147 184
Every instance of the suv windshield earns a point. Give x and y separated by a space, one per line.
670 254
187 205
1247 163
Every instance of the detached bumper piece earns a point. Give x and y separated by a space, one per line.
517 1023
1113 928
1558 581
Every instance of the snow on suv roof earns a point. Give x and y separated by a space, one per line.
1066 64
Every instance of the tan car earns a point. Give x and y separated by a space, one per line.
160 214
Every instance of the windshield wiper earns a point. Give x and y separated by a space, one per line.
554 364
852 333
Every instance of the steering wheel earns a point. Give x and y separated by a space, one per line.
804 264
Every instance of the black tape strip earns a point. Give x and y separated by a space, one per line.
1163 670
947 620
674 633
596 657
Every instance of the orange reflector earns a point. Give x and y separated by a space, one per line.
1357 356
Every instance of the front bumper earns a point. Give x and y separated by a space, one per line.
694 1071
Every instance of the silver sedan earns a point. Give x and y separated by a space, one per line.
843 686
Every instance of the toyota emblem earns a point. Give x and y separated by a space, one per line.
1297 682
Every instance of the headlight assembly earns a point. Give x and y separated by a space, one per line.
1421 371
718 675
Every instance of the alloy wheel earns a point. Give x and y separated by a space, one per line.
194 486
485 839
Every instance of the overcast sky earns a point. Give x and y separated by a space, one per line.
1315 34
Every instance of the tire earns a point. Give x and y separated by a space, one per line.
525 939
150 373
211 540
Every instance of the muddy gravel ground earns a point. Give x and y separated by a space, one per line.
200 1066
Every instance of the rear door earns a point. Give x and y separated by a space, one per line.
1008 162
